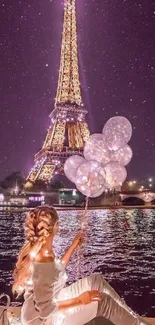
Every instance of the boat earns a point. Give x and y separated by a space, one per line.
14 317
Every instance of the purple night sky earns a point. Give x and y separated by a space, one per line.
117 67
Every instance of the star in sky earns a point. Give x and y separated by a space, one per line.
117 72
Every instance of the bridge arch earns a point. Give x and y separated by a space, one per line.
133 200
146 197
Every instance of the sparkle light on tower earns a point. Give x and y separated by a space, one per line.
68 130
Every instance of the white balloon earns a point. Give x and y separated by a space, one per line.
123 156
107 186
90 178
115 174
71 165
117 132
96 148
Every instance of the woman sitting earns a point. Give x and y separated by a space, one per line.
43 279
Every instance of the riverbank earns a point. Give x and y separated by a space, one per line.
73 208
108 207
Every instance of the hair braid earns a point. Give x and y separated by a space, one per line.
39 224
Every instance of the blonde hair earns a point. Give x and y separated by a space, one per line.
39 224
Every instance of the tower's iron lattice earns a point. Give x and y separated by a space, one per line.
68 129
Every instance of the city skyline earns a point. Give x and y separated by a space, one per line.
117 70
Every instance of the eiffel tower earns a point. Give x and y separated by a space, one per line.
68 129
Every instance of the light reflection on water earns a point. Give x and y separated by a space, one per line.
120 244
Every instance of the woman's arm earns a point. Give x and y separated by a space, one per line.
65 259
69 303
77 241
84 299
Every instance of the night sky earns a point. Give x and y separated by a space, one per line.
116 42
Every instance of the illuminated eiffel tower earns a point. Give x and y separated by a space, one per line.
68 130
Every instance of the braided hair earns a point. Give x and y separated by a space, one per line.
39 224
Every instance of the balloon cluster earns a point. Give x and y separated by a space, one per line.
105 158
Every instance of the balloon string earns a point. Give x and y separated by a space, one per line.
83 226
84 215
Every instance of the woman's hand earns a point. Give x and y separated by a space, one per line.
89 296
84 299
78 240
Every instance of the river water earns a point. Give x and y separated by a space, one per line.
120 244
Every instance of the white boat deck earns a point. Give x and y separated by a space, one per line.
14 313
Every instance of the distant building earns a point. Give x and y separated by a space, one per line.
70 197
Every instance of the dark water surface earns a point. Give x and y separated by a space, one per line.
120 245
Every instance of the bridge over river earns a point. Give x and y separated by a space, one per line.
141 197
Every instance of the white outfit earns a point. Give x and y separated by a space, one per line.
48 285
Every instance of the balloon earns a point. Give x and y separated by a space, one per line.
90 178
98 137
99 193
123 156
96 148
117 132
115 174
71 165
107 186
